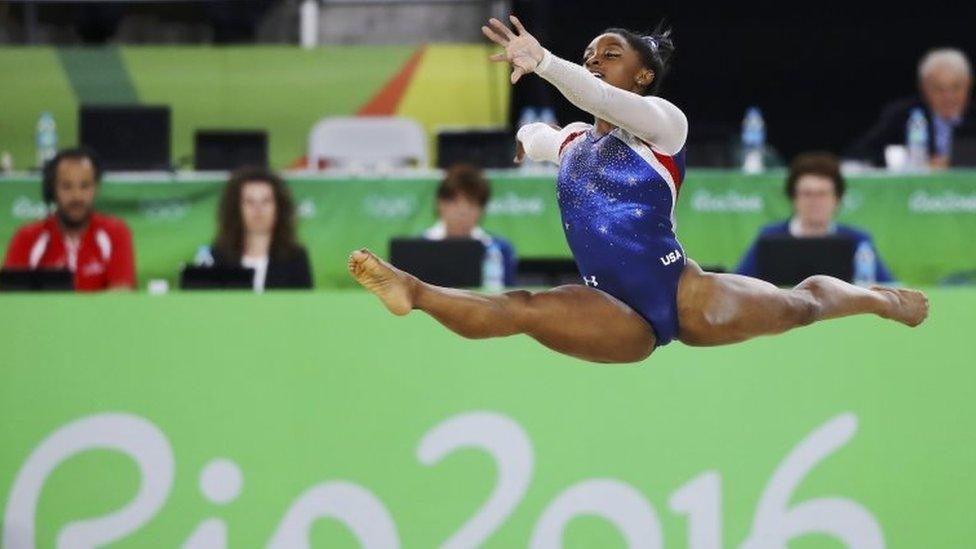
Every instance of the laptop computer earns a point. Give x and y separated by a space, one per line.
36 280
216 278
786 261
452 263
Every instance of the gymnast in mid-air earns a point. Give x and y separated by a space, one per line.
617 186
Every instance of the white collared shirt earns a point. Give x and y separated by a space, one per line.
439 232
796 230
260 266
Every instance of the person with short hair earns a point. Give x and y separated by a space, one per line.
815 186
945 82
96 247
256 229
461 199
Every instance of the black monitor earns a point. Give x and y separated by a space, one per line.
229 149
453 263
482 148
964 152
127 137
216 278
36 280
547 272
786 261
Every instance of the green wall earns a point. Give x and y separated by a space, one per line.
333 410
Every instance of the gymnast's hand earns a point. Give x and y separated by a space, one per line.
522 50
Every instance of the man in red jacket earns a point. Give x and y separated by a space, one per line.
96 248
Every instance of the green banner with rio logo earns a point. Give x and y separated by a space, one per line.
296 420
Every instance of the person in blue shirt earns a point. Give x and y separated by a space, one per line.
461 199
815 186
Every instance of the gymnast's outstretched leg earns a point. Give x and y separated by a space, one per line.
574 320
717 309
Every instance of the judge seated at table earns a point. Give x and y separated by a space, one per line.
256 230
945 82
96 248
461 199
815 187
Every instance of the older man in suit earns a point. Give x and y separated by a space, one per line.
945 81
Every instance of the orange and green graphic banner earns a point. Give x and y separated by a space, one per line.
282 89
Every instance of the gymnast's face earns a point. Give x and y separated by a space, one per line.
610 58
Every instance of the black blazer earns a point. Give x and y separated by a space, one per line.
293 272
890 129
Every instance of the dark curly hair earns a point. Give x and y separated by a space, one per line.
229 242
655 48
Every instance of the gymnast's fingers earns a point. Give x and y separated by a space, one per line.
517 73
493 36
501 28
518 24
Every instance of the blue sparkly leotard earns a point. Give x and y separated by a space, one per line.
617 197
617 192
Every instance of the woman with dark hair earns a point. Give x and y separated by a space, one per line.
617 186
256 229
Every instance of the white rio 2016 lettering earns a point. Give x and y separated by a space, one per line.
774 524
131 435
507 444
625 507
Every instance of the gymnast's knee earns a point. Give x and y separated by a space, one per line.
806 305
521 305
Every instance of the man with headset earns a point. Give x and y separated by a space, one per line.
97 248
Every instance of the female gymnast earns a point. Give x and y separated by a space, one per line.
617 185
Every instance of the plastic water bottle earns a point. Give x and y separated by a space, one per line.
753 140
46 144
527 116
493 269
917 140
865 267
548 116
204 257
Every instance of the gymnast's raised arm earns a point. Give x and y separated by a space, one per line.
651 119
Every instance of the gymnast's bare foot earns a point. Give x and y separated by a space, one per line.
393 286
910 307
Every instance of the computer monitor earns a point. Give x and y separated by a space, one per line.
453 263
786 261
127 137
964 152
229 149
36 280
216 278
547 272
481 148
